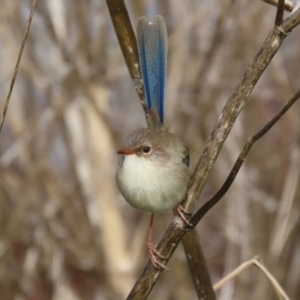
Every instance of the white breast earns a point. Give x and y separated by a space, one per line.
148 186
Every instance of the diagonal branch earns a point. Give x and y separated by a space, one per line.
234 105
227 184
17 66
127 41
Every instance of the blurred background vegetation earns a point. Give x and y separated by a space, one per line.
65 231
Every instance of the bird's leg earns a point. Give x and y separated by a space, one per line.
184 214
154 253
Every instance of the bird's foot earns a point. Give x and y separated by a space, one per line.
183 215
155 256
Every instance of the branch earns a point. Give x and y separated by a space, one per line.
198 266
288 5
12 83
127 41
279 13
234 105
244 266
227 184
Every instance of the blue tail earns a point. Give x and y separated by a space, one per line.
152 44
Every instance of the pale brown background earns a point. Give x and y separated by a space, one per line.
65 231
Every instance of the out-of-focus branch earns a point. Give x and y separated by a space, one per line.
227 184
288 5
17 66
234 105
210 54
127 41
244 266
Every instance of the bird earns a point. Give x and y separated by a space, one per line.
153 170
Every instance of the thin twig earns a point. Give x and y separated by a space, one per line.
237 271
17 66
272 279
244 266
227 184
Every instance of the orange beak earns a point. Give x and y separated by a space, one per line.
125 151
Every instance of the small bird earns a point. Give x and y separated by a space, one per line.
153 171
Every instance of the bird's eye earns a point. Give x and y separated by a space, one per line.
146 149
